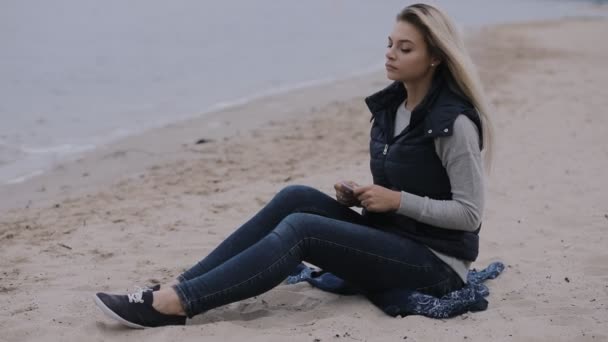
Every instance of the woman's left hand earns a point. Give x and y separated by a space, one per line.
376 198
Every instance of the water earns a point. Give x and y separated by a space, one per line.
75 74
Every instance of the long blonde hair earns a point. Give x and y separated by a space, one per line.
445 42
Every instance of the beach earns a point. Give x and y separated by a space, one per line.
143 209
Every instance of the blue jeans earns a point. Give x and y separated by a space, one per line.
304 224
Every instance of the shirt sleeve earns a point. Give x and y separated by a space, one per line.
461 157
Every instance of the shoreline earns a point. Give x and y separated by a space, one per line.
220 106
133 154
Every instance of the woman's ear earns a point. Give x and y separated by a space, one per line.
435 61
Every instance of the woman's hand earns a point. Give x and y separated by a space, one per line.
344 197
376 198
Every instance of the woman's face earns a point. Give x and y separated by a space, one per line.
407 56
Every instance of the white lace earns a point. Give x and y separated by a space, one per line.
137 297
142 289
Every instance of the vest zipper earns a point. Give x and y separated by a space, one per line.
385 149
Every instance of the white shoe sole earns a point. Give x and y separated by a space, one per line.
106 310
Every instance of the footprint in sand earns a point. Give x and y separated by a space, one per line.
99 255
276 303
7 289
26 308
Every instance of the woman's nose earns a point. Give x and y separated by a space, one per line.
389 54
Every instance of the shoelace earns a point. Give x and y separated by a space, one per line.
137 296
142 289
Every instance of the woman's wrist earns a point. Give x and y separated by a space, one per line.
396 200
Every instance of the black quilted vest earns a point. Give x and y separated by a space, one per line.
408 161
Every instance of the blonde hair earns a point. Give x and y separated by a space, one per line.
445 42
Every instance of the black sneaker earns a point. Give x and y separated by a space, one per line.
135 310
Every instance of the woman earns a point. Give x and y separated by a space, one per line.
419 223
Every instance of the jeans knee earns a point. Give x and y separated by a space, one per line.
296 191
293 224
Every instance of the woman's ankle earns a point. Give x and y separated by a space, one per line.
166 301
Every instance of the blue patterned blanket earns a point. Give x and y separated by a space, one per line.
406 302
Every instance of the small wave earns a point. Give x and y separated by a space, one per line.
58 149
18 164
291 87
25 177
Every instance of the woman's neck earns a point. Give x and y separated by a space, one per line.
416 91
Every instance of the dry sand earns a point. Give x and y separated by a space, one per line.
145 208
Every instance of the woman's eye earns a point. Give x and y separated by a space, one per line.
406 50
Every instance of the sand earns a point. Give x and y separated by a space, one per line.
143 209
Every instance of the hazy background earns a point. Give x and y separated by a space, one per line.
75 74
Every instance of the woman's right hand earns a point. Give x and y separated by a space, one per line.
344 197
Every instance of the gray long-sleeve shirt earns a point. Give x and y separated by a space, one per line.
460 155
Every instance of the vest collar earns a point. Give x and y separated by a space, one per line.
395 94
438 109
